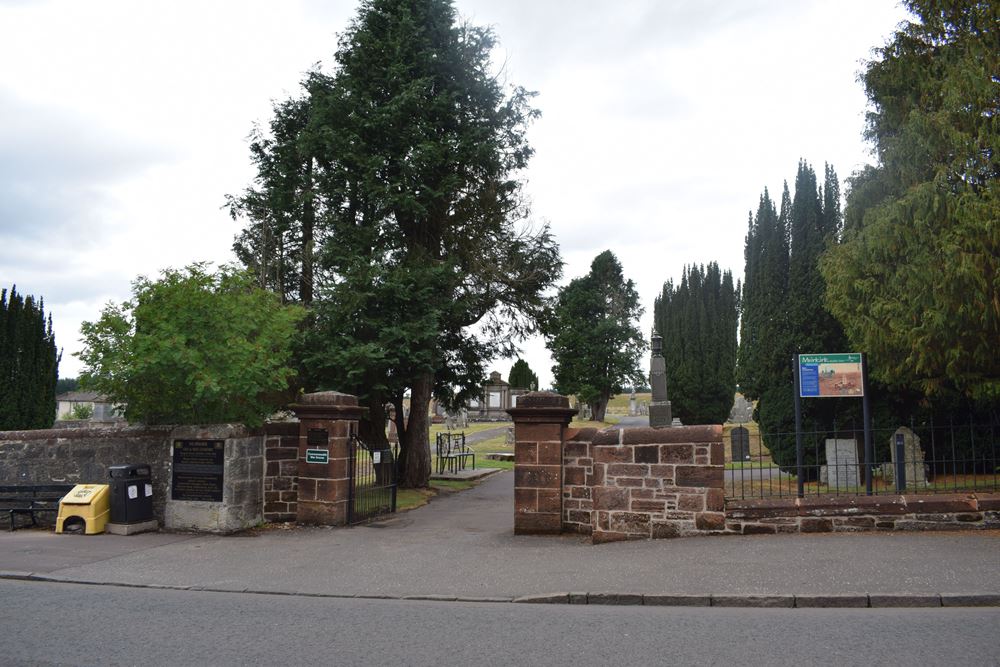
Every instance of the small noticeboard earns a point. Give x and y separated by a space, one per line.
317 456
831 376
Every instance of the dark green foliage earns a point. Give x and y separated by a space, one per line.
916 281
783 311
64 385
408 159
29 363
697 320
193 348
594 336
522 377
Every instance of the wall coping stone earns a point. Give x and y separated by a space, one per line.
328 405
645 435
123 430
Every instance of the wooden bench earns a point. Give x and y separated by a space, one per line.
452 452
32 500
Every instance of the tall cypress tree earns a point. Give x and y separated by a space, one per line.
29 363
783 311
697 320
521 376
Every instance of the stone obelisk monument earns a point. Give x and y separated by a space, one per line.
659 406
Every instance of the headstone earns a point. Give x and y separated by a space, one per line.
841 464
913 458
449 421
632 409
464 418
659 408
740 443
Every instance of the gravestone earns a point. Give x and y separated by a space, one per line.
841 464
740 443
659 408
913 458
632 411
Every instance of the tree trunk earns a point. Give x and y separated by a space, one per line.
417 466
308 223
599 407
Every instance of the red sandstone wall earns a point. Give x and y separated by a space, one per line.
641 483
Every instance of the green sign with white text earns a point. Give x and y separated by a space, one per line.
317 456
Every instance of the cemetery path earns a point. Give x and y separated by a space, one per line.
462 545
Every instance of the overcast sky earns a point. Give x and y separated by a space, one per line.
123 126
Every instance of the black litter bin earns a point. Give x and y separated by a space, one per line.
131 493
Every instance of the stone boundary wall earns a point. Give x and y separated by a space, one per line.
643 483
825 514
83 455
281 471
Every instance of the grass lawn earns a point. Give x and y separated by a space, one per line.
408 499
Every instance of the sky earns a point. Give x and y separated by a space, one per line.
124 125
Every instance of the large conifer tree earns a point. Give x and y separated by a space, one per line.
29 363
698 320
408 157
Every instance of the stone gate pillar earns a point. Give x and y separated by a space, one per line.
540 421
327 420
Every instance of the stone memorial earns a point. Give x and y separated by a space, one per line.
632 409
841 464
659 407
913 459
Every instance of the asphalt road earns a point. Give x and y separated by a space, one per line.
71 624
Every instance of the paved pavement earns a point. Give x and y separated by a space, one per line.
462 545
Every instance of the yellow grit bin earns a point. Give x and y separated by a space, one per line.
90 502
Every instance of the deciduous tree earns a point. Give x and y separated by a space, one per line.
193 347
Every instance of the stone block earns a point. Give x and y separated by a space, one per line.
903 600
815 525
610 498
579 516
662 472
970 599
665 529
648 506
574 476
647 454
717 456
537 524
988 502
581 492
627 470
612 454
525 500
699 476
529 432
549 500
526 452
537 476
629 482
322 514
941 504
691 502
715 500
759 601
544 598
615 598
759 529
677 600
710 521
677 454
831 601
659 436
630 523
576 449
550 453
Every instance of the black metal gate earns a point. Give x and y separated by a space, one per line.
372 491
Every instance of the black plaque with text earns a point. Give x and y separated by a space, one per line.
318 437
198 470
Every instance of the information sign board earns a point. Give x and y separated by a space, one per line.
830 375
